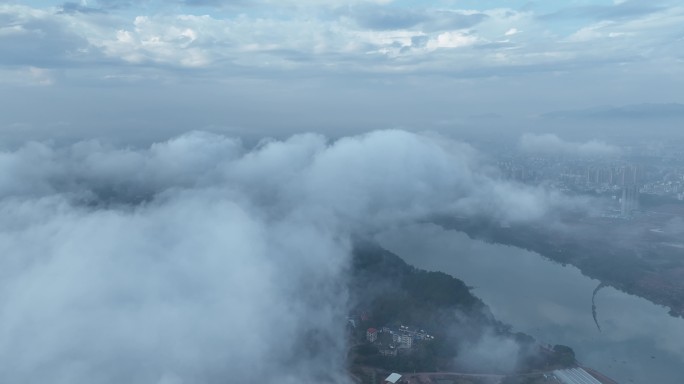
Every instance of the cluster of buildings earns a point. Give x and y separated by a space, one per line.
627 180
612 175
573 174
664 176
390 340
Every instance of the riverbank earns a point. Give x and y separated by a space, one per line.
638 341
633 256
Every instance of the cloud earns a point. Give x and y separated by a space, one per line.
384 17
512 31
34 38
452 40
551 144
200 260
388 18
491 353
98 6
72 7
268 39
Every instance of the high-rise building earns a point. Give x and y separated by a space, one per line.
630 200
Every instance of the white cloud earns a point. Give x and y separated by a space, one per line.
593 32
322 38
196 260
159 41
451 40
491 352
512 31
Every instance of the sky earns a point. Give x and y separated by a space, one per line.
139 71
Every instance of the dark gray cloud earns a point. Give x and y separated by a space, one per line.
450 20
119 4
98 6
378 17
385 18
72 7
198 260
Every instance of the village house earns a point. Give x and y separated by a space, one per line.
371 334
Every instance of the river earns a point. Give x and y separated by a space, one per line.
638 341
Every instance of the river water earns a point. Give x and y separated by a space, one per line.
638 341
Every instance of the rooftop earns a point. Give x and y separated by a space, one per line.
393 378
575 376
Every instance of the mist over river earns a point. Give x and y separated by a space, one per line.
638 342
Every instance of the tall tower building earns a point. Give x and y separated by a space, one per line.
630 200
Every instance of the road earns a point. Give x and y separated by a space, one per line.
431 377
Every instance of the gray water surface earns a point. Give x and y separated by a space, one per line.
638 342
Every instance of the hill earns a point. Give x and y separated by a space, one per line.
451 329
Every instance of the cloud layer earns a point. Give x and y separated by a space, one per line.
198 260
550 144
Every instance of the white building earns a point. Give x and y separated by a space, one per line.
371 334
393 378
406 341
